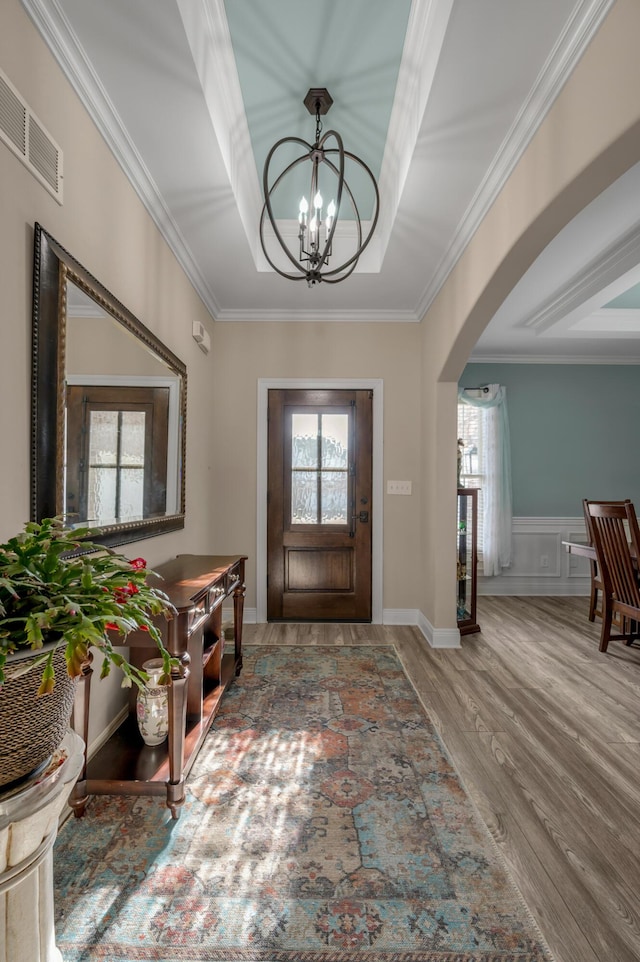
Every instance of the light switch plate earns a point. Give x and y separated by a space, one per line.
398 487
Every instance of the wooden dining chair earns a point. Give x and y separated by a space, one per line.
616 539
596 580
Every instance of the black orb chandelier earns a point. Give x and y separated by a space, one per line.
310 253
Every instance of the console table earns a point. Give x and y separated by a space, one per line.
197 585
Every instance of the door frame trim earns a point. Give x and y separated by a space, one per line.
336 384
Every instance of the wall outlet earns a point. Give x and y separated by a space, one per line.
398 487
544 560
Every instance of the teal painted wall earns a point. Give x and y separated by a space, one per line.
575 432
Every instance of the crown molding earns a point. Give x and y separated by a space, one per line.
610 322
599 273
65 46
554 359
320 317
578 33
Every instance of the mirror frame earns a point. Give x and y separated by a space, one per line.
52 267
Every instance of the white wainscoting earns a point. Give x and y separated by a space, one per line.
534 541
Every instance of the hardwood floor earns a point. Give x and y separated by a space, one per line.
545 732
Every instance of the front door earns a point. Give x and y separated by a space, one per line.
319 505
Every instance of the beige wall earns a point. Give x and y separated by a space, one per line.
100 345
245 352
590 137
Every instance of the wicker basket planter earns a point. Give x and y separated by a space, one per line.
72 594
32 727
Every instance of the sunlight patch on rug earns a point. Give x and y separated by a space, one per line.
324 822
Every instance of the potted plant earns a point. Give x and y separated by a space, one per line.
60 594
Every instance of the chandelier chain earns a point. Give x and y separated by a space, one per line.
318 122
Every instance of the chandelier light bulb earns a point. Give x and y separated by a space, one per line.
317 201
303 209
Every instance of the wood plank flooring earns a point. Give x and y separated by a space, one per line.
544 730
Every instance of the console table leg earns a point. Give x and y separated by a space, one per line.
177 724
80 725
238 614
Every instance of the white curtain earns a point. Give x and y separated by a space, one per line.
496 461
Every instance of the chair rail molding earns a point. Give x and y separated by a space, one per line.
540 564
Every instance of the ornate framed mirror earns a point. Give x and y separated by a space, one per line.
109 407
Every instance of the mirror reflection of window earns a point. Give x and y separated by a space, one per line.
117 448
121 456
115 482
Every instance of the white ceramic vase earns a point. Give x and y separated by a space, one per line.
152 708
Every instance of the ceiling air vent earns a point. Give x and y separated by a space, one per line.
28 139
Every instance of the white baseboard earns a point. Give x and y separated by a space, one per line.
438 637
400 616
531 586
249 615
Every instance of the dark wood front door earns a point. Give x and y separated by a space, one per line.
319 505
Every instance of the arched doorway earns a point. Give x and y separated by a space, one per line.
589 138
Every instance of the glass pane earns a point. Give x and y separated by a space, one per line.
103 438
463 575
304 440
304 497
132 438
102 494
335 440
470 432
131 492
334 496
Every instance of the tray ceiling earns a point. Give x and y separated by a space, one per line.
440 97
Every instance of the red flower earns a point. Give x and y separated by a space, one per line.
138 563
123 594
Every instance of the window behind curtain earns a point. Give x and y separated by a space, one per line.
472 473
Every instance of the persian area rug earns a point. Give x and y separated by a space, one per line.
324 823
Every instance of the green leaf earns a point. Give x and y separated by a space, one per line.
34 632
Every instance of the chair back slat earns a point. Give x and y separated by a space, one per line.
614 530
596 588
